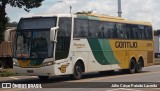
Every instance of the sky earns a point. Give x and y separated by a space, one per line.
136 10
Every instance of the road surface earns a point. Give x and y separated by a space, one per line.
91 81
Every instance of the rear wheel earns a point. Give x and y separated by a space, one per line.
132 67
139 67
77 74
43 77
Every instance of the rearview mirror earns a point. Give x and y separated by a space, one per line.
53 34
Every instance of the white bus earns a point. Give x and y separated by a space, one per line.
65 44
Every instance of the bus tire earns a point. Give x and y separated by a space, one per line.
77 73
43 77
139 67
132 66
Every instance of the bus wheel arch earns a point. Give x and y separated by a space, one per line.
78 69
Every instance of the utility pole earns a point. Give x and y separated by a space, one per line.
119 9
70 7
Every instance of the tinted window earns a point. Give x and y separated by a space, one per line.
81 28
109 30
127 29
64 27
106 32
63 39
148 32
37 23
121 31
94 29
141 32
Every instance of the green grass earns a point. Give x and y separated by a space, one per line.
5 73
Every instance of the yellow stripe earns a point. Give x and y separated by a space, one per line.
25 63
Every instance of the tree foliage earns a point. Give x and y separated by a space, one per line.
25 4
156 32
12 24
85 12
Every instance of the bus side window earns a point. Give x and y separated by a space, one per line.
141 32
127 29
100 31
81 28
134 31
148 32
64 27
94 29
121 31
106 30
131 32
63 38
112 30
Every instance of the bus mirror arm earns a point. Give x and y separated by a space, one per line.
53 34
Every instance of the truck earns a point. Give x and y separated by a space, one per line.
157 46
6 49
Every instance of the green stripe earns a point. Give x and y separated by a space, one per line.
36 62
87 17
107 50
102 51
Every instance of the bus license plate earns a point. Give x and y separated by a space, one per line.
29 71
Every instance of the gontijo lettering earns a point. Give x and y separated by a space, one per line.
124 44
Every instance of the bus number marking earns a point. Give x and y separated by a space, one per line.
149 45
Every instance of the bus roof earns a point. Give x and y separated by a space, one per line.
94 17
110 18
49 15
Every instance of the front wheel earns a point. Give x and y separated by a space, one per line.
77 74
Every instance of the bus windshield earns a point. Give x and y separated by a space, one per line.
33 39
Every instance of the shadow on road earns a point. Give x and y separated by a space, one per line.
58 79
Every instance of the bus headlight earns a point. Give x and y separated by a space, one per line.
15 64
48 63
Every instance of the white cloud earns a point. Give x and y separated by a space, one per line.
139 10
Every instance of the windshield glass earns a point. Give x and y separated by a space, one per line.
37 23
23 42
33 38
35 44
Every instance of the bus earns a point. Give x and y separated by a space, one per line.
73 44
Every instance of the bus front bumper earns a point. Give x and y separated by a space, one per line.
41 71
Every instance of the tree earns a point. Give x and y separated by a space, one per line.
85 12
26 4
12 24
157 32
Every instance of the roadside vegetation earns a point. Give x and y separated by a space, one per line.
6 72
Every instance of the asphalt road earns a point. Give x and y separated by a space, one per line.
92 81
